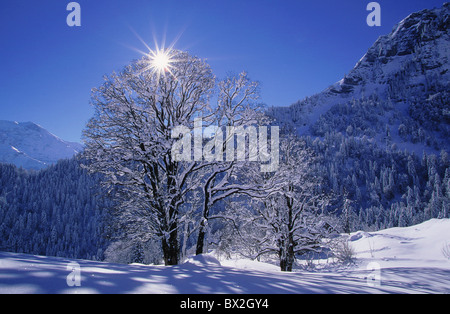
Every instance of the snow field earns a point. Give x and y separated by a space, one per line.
410 260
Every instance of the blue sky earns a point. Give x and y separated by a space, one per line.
295 48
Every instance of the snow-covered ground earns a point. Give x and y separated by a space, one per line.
398 260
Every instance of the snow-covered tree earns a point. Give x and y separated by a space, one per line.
291 215
348 214
129 140
224 176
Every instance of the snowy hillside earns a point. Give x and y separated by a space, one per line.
382 133
409 246
415 254
400 87
57 211
30 146
410 260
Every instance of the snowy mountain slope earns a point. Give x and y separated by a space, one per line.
408 246
30 146
422 38
405 75
382 133
414 253
410 261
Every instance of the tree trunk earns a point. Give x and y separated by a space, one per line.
287 243
200 239
170 242
287 254
287 260
202 230
284 265
170 249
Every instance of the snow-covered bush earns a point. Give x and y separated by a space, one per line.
344 252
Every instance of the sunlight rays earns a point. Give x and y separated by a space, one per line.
161 62
161 59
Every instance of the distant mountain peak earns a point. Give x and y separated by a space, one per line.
29 145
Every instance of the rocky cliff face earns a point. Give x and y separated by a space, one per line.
420 40
407 71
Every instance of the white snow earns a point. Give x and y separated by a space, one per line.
410 258
410 261
416 246
15 149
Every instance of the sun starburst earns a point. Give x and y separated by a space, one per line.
160 61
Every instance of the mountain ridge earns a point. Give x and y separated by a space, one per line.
406 72
30 146
381 135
